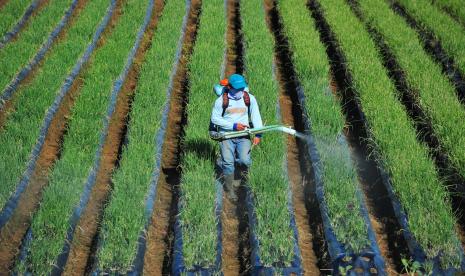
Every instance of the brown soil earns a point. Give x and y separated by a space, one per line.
297 183
2 3
7 108
13 232
157 259
87 228
235 232
39 8
298 179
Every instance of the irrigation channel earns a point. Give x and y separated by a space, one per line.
425 133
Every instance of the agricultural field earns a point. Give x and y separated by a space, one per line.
107 166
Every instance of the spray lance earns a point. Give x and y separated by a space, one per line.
219 89
252 131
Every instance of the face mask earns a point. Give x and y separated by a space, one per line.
235 94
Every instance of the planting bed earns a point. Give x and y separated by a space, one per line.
14 16
197 242
106 166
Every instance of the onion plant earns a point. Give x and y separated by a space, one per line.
197 194
454 7
29 40
327 124
392 135
32 100
433 92
125 218
11 13
444 28
267 177
66 182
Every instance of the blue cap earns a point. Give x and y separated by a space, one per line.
237 81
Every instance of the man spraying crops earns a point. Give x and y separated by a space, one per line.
235 110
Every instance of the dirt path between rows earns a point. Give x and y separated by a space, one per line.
160 234
84 240
307 221
235 256
13 232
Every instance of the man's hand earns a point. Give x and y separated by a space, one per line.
256 141
239 126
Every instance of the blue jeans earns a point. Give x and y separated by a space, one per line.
229 148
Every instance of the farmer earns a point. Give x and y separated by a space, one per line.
234 110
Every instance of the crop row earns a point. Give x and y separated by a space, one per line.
431 89
326 122
11 13
454 7
442 26
14 16
30 39
197 217
411 171
267 178
32 100
126 215
74 173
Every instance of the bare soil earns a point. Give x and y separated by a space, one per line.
308 221
13 232
2 3
160 234
235 229
88 226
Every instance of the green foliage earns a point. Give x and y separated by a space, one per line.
125 217
267 178
443 27
11 13
67 180
197 197
454 7
435 94
327 123
22 128
412 172
29 40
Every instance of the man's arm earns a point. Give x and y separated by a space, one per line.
255 113
216 117
256 118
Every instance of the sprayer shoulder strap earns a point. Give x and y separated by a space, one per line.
245 96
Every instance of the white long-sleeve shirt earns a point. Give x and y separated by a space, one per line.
235 113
